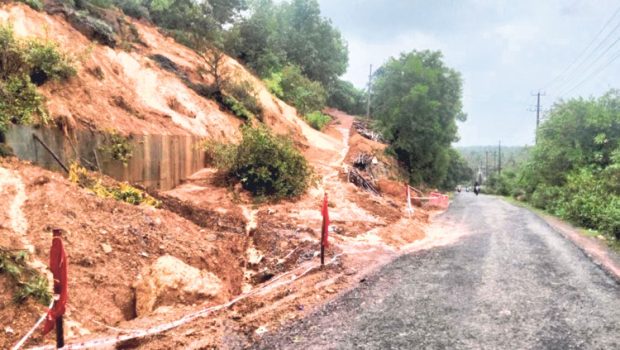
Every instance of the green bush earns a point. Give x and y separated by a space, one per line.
546 197
19 102
47 62
245 94
34 4
118 147
274 84
306 95
265 164
134 8
237 108
318 120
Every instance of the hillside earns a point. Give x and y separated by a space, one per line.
133 268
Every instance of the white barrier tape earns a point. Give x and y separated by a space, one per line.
31 331
140 333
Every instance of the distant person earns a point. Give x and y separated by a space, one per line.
476 188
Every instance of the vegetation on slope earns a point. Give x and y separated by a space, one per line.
267 165
24 64
29 282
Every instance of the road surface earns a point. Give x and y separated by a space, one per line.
510 283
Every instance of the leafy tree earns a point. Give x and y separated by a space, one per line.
458 170
417 102
346 97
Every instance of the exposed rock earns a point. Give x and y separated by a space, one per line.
106 248
170 281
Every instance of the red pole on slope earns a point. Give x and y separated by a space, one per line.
58 266
324 229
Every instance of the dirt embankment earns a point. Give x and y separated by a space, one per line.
258 248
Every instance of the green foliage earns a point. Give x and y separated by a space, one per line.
121 192
245 94
34 4
574 169
134 8
237 108
276 34
265 164
118 147
306 95
22 63
48 62
417 101
30 284
317 120
19 102
458 171
345 97
274 84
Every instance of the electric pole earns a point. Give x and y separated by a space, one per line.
369 91
499 159
537 110
486 166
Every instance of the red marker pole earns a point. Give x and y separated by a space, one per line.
324 229
58 266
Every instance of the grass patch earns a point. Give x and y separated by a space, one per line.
122 192
30 284
318 120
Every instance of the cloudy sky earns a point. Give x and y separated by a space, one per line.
505 50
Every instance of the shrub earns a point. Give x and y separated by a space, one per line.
30 284
274 84
134 8
244 92
47 62
318 120
237 108
34 4
546 197
306 95
19 102
265 164
118 147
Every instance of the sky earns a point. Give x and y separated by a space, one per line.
505 51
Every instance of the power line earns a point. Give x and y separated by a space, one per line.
597 72
567 69
592 66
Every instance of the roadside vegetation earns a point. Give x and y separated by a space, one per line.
267 165
574 169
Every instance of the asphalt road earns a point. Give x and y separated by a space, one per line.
511 283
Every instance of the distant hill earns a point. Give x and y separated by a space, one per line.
476 157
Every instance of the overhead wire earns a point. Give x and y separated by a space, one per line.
563 81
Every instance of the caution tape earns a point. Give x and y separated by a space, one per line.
141 333
25 338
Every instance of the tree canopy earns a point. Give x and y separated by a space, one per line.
417 101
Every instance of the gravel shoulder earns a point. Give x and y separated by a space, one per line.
512 282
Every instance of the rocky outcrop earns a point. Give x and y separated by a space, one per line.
170 281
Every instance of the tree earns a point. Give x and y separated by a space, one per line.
417 101
346 97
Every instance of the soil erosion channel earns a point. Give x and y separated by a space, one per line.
511 283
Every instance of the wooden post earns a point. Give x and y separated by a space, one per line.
60 334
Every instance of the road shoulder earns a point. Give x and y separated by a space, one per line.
598 252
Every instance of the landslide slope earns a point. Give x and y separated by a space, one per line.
142 88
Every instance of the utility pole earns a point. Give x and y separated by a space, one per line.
369 91
486 166
538 109
499 159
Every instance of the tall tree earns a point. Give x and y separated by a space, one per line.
417 101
